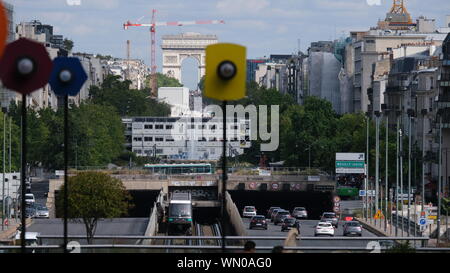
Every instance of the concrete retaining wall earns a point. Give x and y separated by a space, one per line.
235 217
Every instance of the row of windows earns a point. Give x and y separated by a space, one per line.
161 139
158 126
192 126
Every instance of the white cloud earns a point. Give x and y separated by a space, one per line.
235 7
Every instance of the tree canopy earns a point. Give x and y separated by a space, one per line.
94 196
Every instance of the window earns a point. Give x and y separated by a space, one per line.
212 127
148 126
159 139
192 126
159 151
137 151
137 139
169 127
147 139
159 126
169 139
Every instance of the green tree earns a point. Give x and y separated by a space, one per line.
15 143
68 44
126 101
94 196
96 136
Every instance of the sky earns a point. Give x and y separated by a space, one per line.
264 26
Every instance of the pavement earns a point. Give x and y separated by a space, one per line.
306 230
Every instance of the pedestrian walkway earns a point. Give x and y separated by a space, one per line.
9 230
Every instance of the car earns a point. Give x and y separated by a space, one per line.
288 223
330 217
258 221
249 211
324 228
41 211
29 198
30 211
270 210
274 212
300 212
279 217
352 228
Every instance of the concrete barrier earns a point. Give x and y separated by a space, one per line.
152 226
235 217
371 228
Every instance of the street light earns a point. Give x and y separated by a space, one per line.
367 164
398 130
424 113
377 160
410 116
386 112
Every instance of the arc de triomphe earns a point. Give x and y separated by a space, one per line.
177 48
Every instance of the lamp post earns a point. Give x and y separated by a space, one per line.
410 116
397 130
401 174
377 160
367 166
424 113
386 111
439 181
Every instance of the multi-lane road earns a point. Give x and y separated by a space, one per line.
307 231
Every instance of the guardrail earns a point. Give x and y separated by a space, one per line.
281 238
238 248
414 228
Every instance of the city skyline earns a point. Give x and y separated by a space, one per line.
95 26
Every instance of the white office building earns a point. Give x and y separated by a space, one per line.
190 138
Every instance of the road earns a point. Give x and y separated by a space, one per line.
307 230
39 188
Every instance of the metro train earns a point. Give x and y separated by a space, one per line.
180 214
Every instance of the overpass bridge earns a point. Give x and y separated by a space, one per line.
206 189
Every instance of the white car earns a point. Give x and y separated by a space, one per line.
249 211
324 228
29 198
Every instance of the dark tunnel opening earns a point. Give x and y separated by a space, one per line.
142 200
315 202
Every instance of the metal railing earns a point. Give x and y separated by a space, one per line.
414 228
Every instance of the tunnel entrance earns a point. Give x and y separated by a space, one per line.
315 202
206 216
143 203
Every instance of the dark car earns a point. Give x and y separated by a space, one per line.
258 221
30 211
288 223
269 212
279 217
330 217
274 212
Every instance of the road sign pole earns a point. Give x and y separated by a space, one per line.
439 182
401 178
23 172
397 176
3 184
409 171
424 112
377 161
367 168
66 174
224 172
387 172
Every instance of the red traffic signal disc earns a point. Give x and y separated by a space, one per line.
37 78
3 28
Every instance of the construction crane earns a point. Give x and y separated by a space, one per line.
153 25
399 15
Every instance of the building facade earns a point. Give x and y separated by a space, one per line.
185 137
